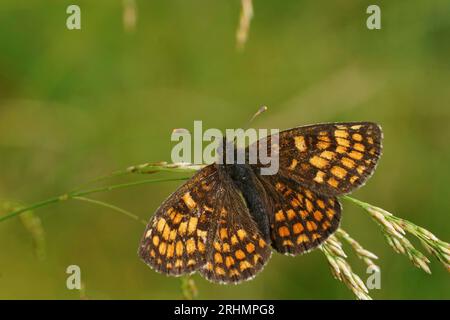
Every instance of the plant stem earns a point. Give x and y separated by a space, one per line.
113 207
72 195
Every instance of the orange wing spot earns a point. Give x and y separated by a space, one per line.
279 186
293 164
330 213
229 261
291 214
152 253
250 247
179 263
326 225
318 162
162 248
279 216
356 126
287 243
319 176
223 233
206 208
201 246
359 147
372 151
318 215
202 234
192 225
171 212
158 261
226 247
190 203
311 225
341 149
218 258
161 224
166 232
304 214
182 228
323 145
239 254
300 143
244 265
339 172
256 257
353 179
370 140
309 205
234 239
234 272
349 163
316 236
177 219
331 202
297 228
320 203
357 137
295 203
170 250
179 248
241 234
261 243
341 133
343 142
190 246
191 262
302 238
173 234
329 155
308 194
283 231
361 169
155 240
208 266
333 182
169 265
355 155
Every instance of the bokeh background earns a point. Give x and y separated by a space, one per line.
75 105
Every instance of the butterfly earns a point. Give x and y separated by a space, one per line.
225 220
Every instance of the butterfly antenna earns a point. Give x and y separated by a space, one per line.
260 111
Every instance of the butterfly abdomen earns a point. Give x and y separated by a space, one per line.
253 193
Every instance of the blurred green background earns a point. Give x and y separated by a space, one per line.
75 105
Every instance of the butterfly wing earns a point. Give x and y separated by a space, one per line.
175 239
301 219
237 250
331 159
205 225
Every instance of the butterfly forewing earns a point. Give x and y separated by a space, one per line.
175 239
330 159
301 219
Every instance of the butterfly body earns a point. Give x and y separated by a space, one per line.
225 220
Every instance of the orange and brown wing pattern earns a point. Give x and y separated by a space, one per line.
301 219
331 159
237 251
174 241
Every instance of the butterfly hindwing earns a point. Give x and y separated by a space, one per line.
331 159
238 250
174 241
301 219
